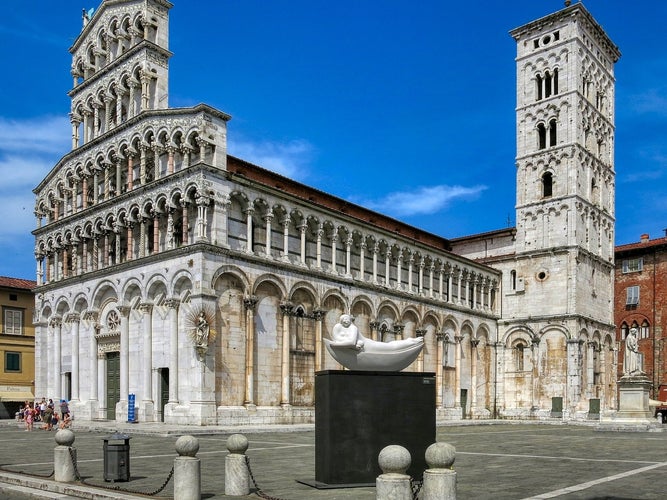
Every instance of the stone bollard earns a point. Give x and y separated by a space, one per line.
236 469
63 460
439 478
393 483
187 469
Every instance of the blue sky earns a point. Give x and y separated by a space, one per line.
404 107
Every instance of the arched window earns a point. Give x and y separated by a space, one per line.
538 82
644 330
547 84
519 349
541 136
513 279
547 184
552 132
555 79
624 331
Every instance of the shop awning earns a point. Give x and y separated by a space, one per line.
12 396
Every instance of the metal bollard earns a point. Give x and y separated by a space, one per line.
439 478
187 469
236 468
64 456
393 483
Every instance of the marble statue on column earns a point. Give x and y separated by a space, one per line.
356 352
633 360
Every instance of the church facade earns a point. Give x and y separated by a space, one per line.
194 287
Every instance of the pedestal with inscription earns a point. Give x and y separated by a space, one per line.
633 398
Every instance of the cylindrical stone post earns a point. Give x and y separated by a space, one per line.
393 483
187 469
439 478
236 468
64 457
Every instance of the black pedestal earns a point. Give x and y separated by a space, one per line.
357 413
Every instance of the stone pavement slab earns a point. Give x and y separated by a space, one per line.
501 461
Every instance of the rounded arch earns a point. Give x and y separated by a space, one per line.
105 290
299 286
265 279
519 331
335 295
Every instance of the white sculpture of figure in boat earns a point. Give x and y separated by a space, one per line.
346 333
356 352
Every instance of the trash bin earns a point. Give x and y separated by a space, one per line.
117 457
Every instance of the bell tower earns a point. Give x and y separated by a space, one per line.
564 247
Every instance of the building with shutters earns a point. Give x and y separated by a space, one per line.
641 302
17 344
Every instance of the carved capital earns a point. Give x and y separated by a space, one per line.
172 303
287 308
124 311
91 315
72 318
318 314
146 307
250 302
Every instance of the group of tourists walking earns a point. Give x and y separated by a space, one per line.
45 412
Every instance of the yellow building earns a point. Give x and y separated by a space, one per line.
17 344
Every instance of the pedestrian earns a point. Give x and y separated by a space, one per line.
66 421
29 416
64 408
47 419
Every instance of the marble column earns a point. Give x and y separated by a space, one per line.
249 229
440 339
285 254
249 304
318 251
318 315
268 219
73 320
457 371
56 374
420 332
173 304
535 378
286 309
124 313
146 408
362 259
473 375
302 229
348 257
93 403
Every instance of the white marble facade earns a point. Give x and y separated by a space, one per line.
148 223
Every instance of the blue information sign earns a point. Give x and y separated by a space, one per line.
130 407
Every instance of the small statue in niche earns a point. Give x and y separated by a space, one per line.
201 331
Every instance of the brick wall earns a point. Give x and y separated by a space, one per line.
651 279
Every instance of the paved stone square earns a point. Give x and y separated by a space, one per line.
500 461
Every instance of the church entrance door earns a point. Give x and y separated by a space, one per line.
113 383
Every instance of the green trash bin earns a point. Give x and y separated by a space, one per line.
117 457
